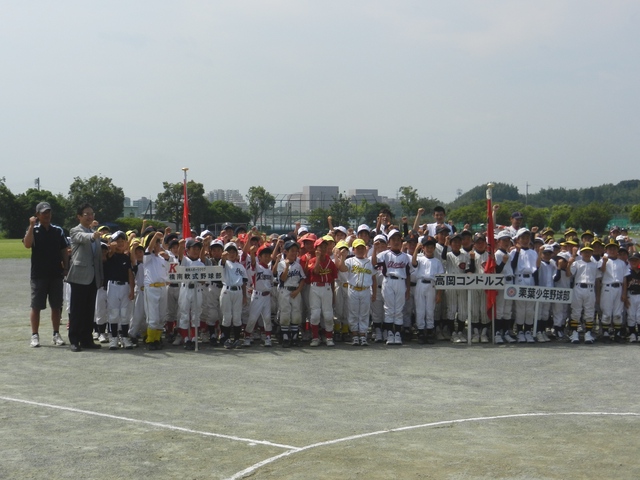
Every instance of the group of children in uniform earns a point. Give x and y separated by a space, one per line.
371 284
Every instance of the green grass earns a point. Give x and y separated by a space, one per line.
13 249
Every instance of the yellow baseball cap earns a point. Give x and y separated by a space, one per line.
358 242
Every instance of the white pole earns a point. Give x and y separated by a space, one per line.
469 317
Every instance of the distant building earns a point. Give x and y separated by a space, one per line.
358 195
231 196
318 197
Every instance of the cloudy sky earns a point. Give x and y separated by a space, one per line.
439 95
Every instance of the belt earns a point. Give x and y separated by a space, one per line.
508 278
379 286
425 281
261 294
216 284
614 285
291 289
345 285
142 289
118 282
525 275
174 284
160 284
192 285
319 284
585 285
235 289
394 278
413 284
633 293
358 289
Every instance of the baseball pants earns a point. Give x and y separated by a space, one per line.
359 302
290 308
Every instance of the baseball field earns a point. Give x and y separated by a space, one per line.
552 411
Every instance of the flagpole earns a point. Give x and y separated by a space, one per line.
186 233
492 251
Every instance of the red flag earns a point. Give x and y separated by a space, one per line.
186 228
490 266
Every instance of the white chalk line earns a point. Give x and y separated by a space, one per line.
289 448
253 468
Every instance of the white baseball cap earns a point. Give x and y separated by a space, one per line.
362 227
380 238
521 232
341 229
302 229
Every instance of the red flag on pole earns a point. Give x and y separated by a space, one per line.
490 266
186 228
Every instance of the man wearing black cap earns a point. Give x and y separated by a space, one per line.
516 223
49 264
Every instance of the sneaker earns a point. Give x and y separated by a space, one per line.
398 336
189 345
286 343
391 339
127 343
588 338
337 336
113 343
560 335
103 338
475 336
606 335
575 337
246 342
355 342
550 334
540 337
460 337
384 335
529 337
213 340
330 342
57 340
439 335
363 341
454 337
484 335
378 337
633 338
95 335
35 340
177 341
228 343
546 337
315 342
508 338
521 337
498 339
267 342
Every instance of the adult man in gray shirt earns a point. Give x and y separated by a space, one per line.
84 277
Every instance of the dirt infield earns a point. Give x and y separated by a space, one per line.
380 412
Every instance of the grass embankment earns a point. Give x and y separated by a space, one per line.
13 248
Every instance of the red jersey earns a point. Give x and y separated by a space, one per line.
327 273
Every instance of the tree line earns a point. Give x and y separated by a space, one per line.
589 208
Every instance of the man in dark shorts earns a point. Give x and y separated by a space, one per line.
49 265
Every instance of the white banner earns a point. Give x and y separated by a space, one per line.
486 281
179 274
537 294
